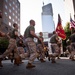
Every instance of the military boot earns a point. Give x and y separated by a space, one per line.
42 60
29 65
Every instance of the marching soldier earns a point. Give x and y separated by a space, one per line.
29 39
54 46
12 47
41 48
72 40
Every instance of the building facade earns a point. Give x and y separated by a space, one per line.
48 25
47 18
10 14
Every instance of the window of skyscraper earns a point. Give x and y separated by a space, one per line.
18 14
13 2
6 6
10 10
16 17
9 17
13 14
9 4
13 8
9 23
13 20
16 11
16 6
5 13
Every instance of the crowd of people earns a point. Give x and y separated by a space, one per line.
21 47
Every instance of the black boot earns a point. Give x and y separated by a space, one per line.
29 65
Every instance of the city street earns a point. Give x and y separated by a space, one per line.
63 66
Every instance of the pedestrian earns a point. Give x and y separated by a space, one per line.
29 39
12 47
54 46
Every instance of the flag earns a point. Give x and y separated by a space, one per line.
72 23
59 29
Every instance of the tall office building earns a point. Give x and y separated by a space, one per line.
48 25
47 18
10 14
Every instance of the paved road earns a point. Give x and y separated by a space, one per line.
62 67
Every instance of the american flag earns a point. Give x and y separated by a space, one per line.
72 23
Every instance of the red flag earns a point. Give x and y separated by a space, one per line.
59 29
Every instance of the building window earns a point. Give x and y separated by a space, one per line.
9 17
13 20
13 8
16 11
9 10
5 13
16 6
13 14
9 23
6 6
9 4
18 14
16 17
16 22
13 2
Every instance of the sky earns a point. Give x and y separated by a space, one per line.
32 9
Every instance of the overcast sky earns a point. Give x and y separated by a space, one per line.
32 9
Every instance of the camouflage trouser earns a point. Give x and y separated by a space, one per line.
31 49
12 46
55 49
22 52
72 49
41 51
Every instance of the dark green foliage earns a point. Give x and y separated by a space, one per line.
3 44
68 33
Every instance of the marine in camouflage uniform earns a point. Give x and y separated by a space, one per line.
29 39
40 48
12 45
72 39
54 46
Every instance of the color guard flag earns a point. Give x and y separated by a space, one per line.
59 29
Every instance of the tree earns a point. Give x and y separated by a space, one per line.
67 30
68 33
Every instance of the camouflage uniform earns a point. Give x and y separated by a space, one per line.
30 44
40 48
31 49
54 47
72 39
11 47
41 51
